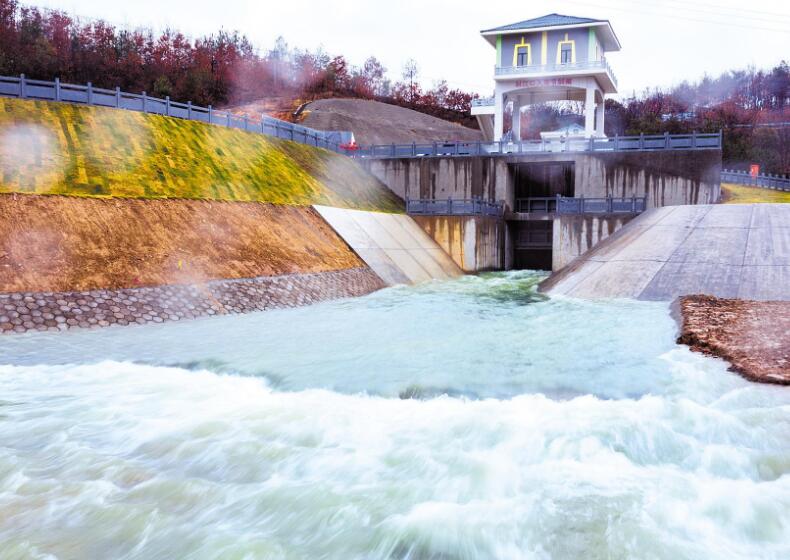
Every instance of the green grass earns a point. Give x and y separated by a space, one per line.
740 194
60 148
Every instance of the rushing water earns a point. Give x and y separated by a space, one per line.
466 419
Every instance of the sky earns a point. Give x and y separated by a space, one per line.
664 42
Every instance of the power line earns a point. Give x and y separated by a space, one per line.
677 17
734 9
717 11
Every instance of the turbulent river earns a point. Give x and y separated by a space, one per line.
464 419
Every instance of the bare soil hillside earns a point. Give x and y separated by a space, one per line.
373 122
63 243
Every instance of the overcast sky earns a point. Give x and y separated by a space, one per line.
664 41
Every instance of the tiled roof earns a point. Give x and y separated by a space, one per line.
544 21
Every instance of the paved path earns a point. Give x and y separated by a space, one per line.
728 251
393 245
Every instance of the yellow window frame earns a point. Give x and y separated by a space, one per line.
527 47
570 42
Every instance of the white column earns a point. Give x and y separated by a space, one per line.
589 112
517 119
499 115
599 112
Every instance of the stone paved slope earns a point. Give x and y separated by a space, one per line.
728 251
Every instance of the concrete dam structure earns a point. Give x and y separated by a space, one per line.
732 251
531 232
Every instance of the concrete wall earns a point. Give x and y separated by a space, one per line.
461 177
575 235
393 245
475 243
666 178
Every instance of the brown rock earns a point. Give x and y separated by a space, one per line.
754 336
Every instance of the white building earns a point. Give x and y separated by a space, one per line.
550 58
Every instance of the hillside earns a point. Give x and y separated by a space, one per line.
373 122
61 148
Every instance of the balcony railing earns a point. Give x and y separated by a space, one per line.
552 68
693 141
567 205
484 102
454 207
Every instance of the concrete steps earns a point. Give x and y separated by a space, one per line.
729 251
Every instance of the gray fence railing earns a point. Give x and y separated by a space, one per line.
767 181
693 141
25 88
454 207
569 205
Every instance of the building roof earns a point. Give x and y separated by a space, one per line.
550 20
557 21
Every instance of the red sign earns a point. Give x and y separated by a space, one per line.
544 82
754 170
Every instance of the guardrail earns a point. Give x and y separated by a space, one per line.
484 102
25 88
454 207
767 181
568 205
693 141
554 68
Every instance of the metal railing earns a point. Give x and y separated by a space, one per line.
555 68
693 141
484 102
454 207
25 88
767 181
567 205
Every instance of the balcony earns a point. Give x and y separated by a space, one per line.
570 68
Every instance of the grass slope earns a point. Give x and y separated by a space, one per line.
60 148
740 194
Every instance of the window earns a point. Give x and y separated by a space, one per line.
566 54
522 54
566 51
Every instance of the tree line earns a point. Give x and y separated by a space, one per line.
748 106
218 69
225 69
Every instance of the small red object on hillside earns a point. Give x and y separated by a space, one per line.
754 170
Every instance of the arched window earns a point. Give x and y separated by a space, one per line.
566 51
522 54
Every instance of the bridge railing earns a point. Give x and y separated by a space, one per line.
693 141
564 205
454 207
767 181
25 88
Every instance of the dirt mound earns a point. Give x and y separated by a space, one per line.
62 243
373 122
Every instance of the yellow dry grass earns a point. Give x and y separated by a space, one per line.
740 194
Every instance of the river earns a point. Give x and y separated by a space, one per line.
464 419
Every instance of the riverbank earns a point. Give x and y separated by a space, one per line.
751 335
